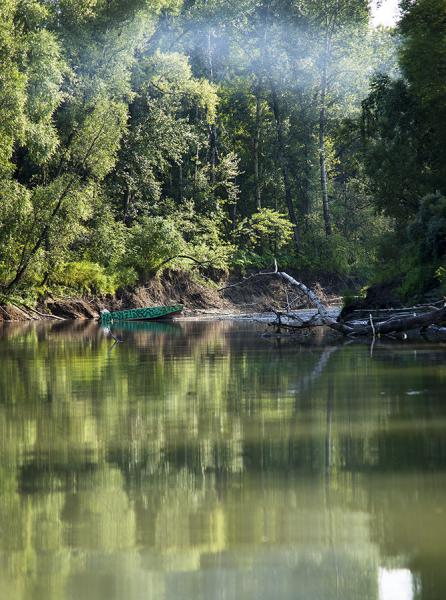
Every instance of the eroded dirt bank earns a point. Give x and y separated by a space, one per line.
254 296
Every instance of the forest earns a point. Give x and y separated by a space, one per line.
216 137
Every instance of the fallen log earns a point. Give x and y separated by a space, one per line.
402 324
323 313
437 316
393 325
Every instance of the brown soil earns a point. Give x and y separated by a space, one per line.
379 296
10 312
255 295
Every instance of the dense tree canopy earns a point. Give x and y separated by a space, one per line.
405 155
134 133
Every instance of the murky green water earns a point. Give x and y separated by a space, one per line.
200 461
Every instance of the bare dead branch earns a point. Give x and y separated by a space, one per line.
393 325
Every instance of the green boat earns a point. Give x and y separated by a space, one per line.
141 314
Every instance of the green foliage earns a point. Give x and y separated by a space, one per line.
132 132
96 142
12 85
425 248
171 73
204 241
103 239
423 52
324 254
394 148
419 259
151 243
15 215
83 277
44 69
404 153
429 228
266 230
350 254
440 275
262 239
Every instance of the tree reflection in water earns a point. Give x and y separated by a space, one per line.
197 461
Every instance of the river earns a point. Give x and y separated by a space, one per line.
204 461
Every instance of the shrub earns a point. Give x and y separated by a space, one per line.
265 231
429 227
152 242
440 275
84 277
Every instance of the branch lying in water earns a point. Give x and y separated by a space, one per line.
394 324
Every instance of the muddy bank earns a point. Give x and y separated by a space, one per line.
259 295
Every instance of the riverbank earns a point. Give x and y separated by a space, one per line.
229 298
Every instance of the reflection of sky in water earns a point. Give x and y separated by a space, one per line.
396 584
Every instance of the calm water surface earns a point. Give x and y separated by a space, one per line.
202 461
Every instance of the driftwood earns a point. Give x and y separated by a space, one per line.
390 323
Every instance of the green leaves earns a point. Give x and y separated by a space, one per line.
95 145
265 230
84 277
134 131
15 217
152 242
31 74
404 151
423 62
12 85
44 69
423 52
169 76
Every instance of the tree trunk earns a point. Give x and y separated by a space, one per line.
195 182
127 206
390 326
302 181
306 178
21 269
213 151
213 137
258 193
180 183
284 166
322 155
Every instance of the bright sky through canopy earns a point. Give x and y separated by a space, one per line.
385 14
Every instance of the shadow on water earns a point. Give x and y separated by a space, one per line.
199 460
